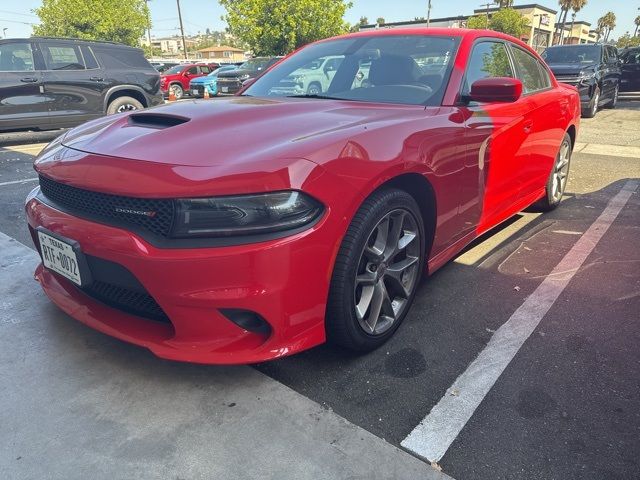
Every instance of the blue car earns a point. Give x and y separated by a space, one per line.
210 82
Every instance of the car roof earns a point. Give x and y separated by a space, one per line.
66 39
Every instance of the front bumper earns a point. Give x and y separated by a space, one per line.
285 281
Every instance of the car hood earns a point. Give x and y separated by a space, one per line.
204 79
571 68
233 130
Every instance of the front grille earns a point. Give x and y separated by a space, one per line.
135 302
570 79
114 209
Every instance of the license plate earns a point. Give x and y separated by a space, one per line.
194 91
224 89
59 257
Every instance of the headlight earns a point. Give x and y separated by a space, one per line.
586 75
244 77
299 79
244 214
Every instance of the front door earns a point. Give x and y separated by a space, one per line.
631 71
496 135
22 102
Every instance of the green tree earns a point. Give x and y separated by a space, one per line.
478 22
503 3
565 6
509 21
606 23
627 40
380 21
123 21
637 24
506 20
274 27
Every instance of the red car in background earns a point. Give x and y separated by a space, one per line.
317 214
177 78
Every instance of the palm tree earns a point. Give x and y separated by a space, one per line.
565 5
504 3
606 23
637 22
576 6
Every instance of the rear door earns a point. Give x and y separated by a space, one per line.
73 80
22 101
545 121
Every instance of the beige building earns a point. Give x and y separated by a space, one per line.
578 32
541 19
222 54
169 46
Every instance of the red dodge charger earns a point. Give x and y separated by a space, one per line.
260 225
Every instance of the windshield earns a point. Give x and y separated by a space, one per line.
174 70
572 54
405 69
255 64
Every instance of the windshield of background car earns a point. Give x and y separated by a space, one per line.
404 69
174 70
573 54
255 64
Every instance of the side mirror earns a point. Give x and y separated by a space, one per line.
496 89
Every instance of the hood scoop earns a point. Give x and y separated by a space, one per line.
158 121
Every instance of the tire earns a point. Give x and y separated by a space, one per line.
177 90
614 100
314 89
592 109
123 104
357 277
557 181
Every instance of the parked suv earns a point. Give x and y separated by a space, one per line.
630 70
48 83
593 69
231 82
177 78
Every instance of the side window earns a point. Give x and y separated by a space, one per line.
61 57
89 58
488 59
613 55
205 69
16 57
193 71
546 80
528 71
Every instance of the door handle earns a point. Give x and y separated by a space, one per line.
96 79
29 79
528 125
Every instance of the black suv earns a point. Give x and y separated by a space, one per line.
48 83
232 81
593 69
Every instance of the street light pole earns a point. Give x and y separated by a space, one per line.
428 13
184 43
487 5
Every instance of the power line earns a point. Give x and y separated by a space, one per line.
18 13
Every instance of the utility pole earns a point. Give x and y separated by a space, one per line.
149 28
428 13
184 43
487 5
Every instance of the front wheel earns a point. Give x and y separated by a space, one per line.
592 108
377 271
557 180
614 100
178 91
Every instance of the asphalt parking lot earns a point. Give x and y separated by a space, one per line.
563 402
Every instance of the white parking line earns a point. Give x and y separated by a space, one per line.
14 182
434 435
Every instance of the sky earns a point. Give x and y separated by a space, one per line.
198 15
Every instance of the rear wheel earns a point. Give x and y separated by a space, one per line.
314 89
377 271
592 108
123 104
557 181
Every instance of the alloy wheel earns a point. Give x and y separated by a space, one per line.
127 107
561 172
388 270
